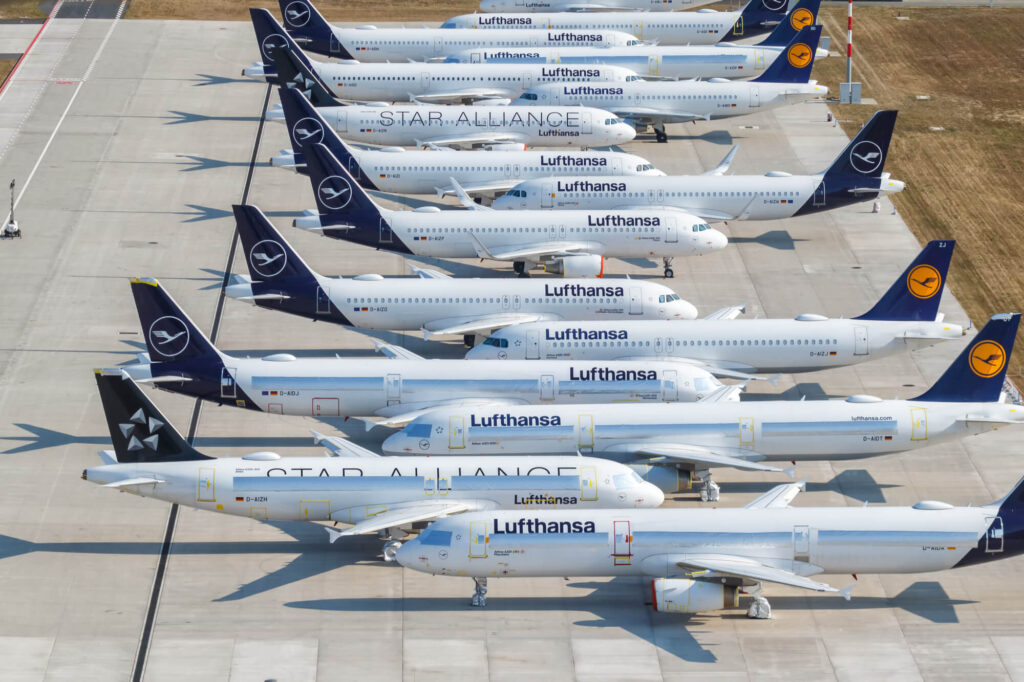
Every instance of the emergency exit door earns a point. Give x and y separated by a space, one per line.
478 540
532 345
456 433
918 423
622 543
588 484
586 439
206 491
636 301
746 431
860 340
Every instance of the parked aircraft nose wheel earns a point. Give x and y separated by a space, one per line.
391 550
669 273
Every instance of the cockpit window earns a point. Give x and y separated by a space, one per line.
630 79
613 121
436 538
623 481
532 96
632 42
496 342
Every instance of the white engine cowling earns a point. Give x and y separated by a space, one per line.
577 266
506 147
680 595
668 479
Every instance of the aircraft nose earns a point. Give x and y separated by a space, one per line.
396 444
407 553
717 241
625 131
651 495
686 310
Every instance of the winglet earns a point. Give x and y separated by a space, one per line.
481 250
847 590
333 533
465 199
723 165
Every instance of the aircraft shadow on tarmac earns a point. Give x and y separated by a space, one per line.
204 79
722 137
856 484
179 117
201 213
776 239
808 390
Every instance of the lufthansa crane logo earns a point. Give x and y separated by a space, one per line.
866 157
774 5
335 192
799 55
924 281
168 336
275 41
800 18
296 14
268 258
307 131
987 359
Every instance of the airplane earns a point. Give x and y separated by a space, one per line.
700 560
702 27
310 30
905 318
854 176
435 304
582 6
351 485
724 60
393 169
786 81
181 359
965 401
574 244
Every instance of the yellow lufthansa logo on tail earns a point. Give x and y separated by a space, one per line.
800 18
924 281
987 359
799 55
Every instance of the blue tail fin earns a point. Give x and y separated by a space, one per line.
793 65
804 13
865 156
170 335
139 432
271 36
309 28
758 16
917 292
281 280
977 374
307 127
293 72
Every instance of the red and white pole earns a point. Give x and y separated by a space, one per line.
849 44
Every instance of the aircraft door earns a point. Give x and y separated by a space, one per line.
669 386
616 166
206 491
425 81
621 550
586 439
586 124
334 46
737 28
477 539
315 510
547 387
802 543
340 120
588 484
758 59
918 423
526 81
860 340
994 536
819 194
638 28
636 301
228 388
671 235
385 232
456 433
323 302
438 46
533 345
326 407
393 388
755 97
474 57
653 64
747 431
547 197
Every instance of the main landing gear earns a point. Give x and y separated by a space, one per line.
519 267
669 273
659 132
759 608
391 543
480 594
709 490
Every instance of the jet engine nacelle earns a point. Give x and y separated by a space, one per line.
577 266
668 479
506 147
680 595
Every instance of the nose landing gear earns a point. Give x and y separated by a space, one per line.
480 594
669 273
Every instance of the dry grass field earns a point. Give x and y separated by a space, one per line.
5 68
333 10
963 181
20 9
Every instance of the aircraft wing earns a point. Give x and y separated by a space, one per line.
132 482
730 313
397 416
341 447
662 115
463 97
394 352
480 187
708 214
490 138
465 199
724 164
742 567
723 394
401 516
530 250
778 497
721 457
465 325
724 372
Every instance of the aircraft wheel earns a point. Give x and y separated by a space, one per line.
391 550
669 273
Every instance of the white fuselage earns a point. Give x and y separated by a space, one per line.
414 125
650 542
352 489
675 101
591 5
861 426
422 44
749 345
406 304
679 28
344 387
424 172
745 197
404 82
652 61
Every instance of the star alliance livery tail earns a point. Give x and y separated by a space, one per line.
916 294
294 71
976 376
270 37
794 64
346 211
310 30
307 127
804 13
139 432
278 278
756 17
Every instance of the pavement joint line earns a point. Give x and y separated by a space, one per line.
146 636
24 55
74 96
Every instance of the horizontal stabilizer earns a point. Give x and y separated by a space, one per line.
730 313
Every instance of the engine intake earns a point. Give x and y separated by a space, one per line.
681 595
577 266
